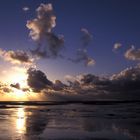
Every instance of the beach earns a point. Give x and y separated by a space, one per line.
72 121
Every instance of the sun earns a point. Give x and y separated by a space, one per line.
13 76
19 95
17 75
20 78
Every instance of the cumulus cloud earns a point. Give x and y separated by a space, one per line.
129 78
38 52
4 88
89 79
123 85
124 81
73 81
132 54
58 85
90 62
25 8
117 46
55 44
50 44
16 57
41 32
43 23
82 53
86 37
68 95
17 85
25 89
37 80
128 74
82 56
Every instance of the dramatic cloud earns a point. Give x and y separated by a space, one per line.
117 46
132 54
73 81
128 74
37 80
89 79
38 52
18 87
58 85
84 87
55 44
16 57
126 80
124 85
44 22
82 53
49 44
82 56
25 8
86 37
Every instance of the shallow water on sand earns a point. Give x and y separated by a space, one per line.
70 121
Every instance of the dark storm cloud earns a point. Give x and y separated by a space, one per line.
37 80
49 44
16 57
132 54
82 56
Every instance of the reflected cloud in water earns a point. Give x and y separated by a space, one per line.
119 122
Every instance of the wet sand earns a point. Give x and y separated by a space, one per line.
69 121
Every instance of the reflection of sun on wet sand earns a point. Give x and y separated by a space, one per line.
21 121
69 121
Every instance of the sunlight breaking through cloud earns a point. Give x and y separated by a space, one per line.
16 57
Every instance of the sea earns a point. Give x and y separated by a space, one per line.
73 120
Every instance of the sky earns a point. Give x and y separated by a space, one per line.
100 37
